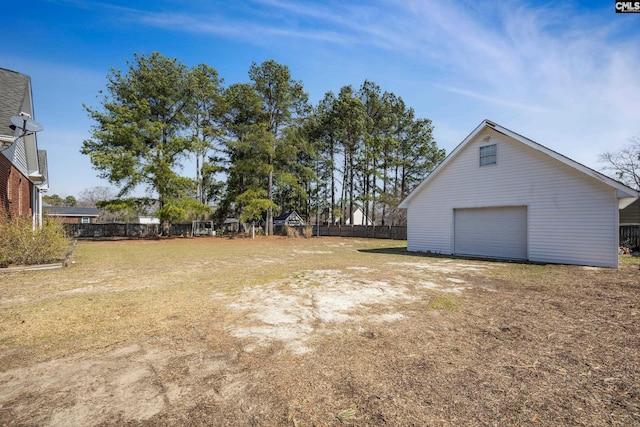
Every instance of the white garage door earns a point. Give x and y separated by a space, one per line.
491 232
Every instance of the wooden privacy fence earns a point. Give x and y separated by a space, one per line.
152 230
122 230
395 232
630 236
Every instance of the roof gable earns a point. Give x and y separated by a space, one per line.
23 151
16 98
624 192
287 215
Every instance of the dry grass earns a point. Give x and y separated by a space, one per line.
322 331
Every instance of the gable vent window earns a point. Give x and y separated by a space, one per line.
488 155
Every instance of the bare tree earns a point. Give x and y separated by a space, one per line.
625 164
89 196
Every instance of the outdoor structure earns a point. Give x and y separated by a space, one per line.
289 218
202 228
358 216
501 195
72 214
148 220
23 167
231 225
631 214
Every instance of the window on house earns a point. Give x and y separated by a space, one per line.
85 220
488 155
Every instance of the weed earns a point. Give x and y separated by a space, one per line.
290 232
442 302
307 232
345 415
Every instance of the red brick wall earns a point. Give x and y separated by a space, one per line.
70 219
15 191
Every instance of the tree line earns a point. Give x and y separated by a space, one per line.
259 147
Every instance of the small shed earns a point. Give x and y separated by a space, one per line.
501 195
289 218
358 216
231 225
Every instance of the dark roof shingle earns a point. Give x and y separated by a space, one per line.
15 98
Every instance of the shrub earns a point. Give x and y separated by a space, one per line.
289 231
307 231
21 245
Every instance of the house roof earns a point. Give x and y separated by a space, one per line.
284 215
70 211
16 98
627 194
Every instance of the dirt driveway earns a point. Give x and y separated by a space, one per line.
317 332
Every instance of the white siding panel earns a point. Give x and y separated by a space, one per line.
16 153
572 218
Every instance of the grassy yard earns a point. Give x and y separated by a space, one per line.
315 332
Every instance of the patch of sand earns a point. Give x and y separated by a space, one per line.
292 310
320 300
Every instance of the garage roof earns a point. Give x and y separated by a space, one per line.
627 195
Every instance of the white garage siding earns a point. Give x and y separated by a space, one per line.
491 232
571 217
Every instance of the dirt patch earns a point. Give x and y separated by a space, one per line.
131 383
315 332
313 302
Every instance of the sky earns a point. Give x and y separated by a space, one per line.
565 74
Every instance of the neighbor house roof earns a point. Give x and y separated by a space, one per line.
284 215
80 211
627 194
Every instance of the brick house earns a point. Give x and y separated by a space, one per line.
23 167
72 214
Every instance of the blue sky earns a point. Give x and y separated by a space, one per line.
565 73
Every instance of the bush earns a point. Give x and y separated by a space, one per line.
21 245
307 231
289 231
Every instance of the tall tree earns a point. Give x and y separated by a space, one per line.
205 112
139 135
284 101
384 149
350 118
321 129
248 147
376 127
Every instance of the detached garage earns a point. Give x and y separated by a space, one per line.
501 195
